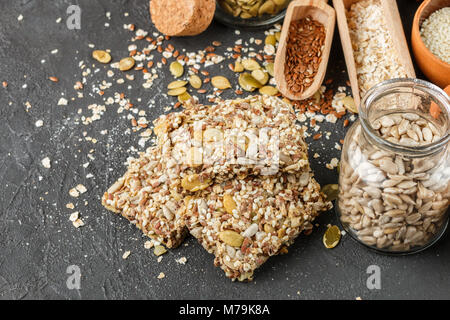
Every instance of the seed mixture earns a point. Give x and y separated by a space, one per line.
246 9
435 31
389 201
156 191
101 74
303 53
376 58
243 222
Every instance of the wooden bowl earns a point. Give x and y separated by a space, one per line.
434 68
319 11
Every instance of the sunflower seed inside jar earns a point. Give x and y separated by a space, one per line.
390 201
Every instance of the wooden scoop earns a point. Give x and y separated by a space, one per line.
299 9
395 27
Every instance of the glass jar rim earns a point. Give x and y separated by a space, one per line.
422 85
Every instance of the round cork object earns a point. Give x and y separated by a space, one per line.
182 17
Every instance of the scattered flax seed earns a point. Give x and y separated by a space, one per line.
54 79
126 255
5 84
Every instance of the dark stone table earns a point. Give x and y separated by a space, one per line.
38 242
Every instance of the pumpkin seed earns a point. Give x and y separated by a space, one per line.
267 7
232 238
332 237
248 83
238 67
331 191
159 250
176 69
349 104
270 39
126 64
101 56
195 81
250 64
268 90
176 84
270 68
220 82
260 76
177 91
185 96
193 183
279 2
277 36
228 203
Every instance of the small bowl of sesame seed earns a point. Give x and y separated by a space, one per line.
431 42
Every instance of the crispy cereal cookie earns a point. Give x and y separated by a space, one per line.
147 195
252 136
244 222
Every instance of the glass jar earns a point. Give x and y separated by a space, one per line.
248 13
395 167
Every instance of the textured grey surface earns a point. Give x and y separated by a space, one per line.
38 242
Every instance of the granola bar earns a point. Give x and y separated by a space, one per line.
148 197
244 222
252 136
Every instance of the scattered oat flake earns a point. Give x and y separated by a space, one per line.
20 18
148 244
182 260
78 223
161 275
46 163
126 254
81 189
74 216
39 123
63 102
74 193
70 205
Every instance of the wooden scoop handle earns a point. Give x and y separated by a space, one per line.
435 110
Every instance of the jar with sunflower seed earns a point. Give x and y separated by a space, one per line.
251 13
394 181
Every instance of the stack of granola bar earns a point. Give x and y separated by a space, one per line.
234 175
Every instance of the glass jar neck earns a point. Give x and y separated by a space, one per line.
406 96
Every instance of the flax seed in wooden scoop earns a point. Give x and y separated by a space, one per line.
304 48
